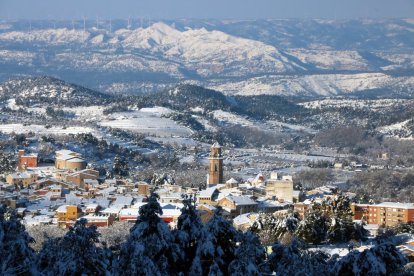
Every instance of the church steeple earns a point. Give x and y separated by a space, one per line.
215 175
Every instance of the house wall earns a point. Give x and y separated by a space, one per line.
282 189
27 161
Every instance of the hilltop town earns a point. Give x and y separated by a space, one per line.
62 193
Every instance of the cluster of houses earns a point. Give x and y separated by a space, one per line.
68 191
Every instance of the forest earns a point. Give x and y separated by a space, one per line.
194 248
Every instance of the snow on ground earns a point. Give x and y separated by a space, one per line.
333 249
399 130
42 130
11 103
88 113
146 121
174 141
229 117
187 160
302 157
340 60
357 104
278 124
157 110
322 85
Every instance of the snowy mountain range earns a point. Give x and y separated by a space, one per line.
259 57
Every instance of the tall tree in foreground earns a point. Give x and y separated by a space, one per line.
313 229
250 256
150 247
216 248
295 259
342 228
76 253
188 232
16 256
270 228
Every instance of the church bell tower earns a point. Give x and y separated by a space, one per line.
215 175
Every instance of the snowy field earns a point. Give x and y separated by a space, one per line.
229 117
86 113
148 121
42 130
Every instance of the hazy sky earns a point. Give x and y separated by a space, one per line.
234 9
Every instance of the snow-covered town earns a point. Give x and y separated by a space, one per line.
68 195
206 137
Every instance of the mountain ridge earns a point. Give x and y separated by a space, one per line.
216 54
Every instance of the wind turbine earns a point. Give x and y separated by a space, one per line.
129 23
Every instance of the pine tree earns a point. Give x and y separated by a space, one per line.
216 247
120 166
382 259
250 256
294 259
313 229
16 256
270 228
188 232
150 247
342 228
76 253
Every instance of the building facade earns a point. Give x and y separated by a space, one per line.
282 189
26 160
386 213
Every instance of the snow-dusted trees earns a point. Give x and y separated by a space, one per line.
294 259
216 247
16 257
76 253
43 233
270 228
188 232
342 228
250 256
120 166
150 247
115 235
313 229
382 259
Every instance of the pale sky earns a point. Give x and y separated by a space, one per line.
205 9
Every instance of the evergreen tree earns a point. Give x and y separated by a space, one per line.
16 256
270 228
216 247
150 247
382 259
120 166
294 259
342 228
313 229
188 232
76 253
250 256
